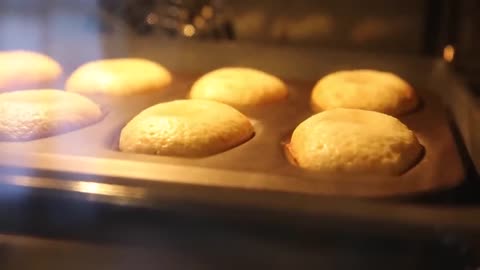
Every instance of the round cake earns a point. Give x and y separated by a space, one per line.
364 89
31 114
238 86
354 141
190 128
27 70
118 78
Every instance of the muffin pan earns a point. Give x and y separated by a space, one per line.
259 164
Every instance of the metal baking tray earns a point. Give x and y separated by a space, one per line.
255 174
256 164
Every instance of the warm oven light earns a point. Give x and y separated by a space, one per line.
449 53
188 30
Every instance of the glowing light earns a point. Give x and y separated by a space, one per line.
188 30
151 19
94 188
107 189
449 53
89 187
199 22
207 12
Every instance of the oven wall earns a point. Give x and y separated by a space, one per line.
397 26
386 25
